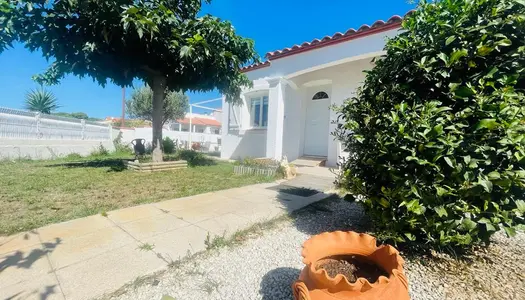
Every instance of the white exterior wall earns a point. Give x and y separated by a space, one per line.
48 149
238 145
290 83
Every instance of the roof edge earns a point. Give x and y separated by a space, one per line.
255 66
332 42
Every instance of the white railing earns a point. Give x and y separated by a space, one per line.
19 124
207 140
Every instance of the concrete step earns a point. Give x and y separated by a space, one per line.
309 161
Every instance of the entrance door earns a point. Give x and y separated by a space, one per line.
316 129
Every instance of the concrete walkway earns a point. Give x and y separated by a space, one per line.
88 257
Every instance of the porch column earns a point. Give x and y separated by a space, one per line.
274 135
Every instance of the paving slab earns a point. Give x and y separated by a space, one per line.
176 204
260 212
144 228
178 243
194 215
133 213
23 265
90 245
226 224
95 255
311 181
45 287
73 228
107 272
18 241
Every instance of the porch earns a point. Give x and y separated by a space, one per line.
290 116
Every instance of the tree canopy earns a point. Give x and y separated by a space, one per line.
161 42
140 105
121 40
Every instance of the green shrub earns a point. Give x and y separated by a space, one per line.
100 150
195 158
259 162
168 145
437 132
120 147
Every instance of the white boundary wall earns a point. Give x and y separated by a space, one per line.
33 135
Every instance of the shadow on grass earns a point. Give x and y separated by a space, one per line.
114 165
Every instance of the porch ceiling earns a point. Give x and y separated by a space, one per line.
326 75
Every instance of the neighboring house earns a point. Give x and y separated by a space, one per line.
199 123
287 112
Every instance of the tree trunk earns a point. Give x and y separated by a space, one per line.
159 91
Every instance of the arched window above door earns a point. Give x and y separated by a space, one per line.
320 95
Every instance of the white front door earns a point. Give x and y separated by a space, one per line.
316 129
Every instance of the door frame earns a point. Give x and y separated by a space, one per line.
309 100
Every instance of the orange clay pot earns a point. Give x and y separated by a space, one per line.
317 285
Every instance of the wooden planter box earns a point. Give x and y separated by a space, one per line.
244 170
154 167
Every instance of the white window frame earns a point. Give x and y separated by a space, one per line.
260 98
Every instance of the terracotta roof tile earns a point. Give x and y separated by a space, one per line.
378 26
364 30
200 121
255 66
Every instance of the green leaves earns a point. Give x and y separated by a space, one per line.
124 41
468 224
520 205
489 124
463 92
186 51
437 131
456 55
510 231
487 185
450 39
441 211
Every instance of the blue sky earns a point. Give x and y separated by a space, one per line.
272 24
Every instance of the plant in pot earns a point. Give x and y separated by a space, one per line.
349 265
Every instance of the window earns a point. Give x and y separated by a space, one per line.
259 112
234 117
320 96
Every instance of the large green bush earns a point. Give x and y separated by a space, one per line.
436 134
168 145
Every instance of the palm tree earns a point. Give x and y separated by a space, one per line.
41 100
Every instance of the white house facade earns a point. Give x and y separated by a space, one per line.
287 111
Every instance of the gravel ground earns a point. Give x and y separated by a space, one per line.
265 267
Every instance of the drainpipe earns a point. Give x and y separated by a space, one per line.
190 129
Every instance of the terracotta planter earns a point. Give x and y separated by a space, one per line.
317 285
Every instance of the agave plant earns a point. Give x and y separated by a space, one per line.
41 100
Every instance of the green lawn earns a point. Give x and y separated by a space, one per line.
36 193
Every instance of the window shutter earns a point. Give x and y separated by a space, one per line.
234 119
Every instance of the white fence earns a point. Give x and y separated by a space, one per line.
208 141
26 134
19 124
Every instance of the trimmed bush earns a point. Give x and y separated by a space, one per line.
168 145
195 158
436 134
